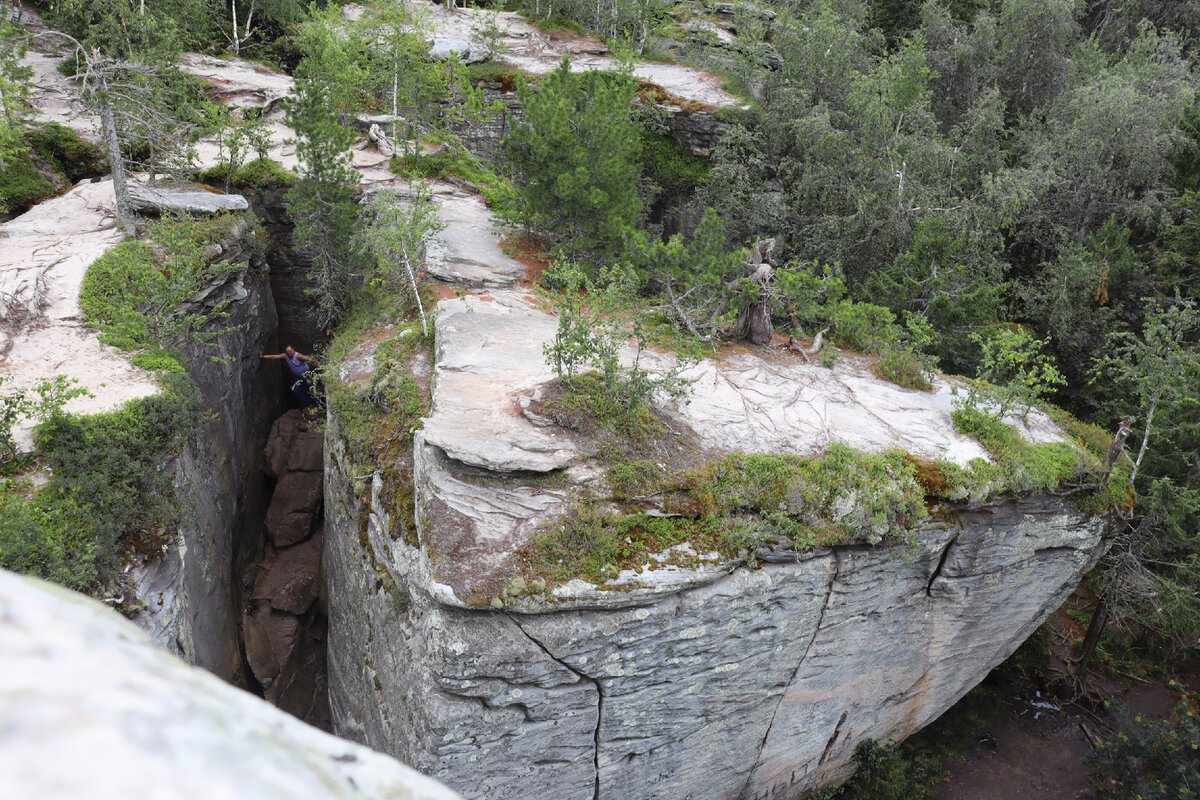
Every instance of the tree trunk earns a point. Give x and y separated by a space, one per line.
115 161
754 323
237 44
1095 629
1137 465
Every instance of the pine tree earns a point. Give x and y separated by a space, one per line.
575 157
322 201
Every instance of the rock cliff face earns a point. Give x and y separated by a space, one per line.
93 709
717 681
191 595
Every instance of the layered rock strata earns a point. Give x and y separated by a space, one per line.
710 679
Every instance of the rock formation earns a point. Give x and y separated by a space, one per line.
283 628
718 680
93 709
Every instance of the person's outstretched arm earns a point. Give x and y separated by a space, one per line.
280 355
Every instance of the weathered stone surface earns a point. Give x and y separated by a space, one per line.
718 682
44 254
294 507
751 683
448 47
290 579
239 83
294 445
489 352
467 252
174 200
84 688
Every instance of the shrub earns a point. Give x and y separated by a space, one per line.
108 490
1153 759
133 292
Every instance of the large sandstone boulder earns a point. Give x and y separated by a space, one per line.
158 200
94 710
713 678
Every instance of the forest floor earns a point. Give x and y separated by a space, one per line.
1036 749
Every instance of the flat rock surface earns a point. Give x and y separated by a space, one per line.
182 200
467 252
240 83
93 709
768 402
534 51
44 254
489 354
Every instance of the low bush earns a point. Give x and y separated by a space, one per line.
1153 759
108 491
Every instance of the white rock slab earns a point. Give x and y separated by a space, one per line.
489 354
44 254
467 252
93 709
240 83
536 52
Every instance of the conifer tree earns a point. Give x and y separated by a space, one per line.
575 158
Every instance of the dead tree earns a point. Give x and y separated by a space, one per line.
754 321
1117 447
131 101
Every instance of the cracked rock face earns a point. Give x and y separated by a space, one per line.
85 688
742 684
718 682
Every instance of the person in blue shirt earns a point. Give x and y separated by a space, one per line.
298 365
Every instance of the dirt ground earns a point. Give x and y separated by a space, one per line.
1035 750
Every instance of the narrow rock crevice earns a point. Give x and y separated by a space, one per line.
833 577
941 563
837 732
584 677
284 619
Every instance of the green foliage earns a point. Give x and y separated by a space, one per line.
395 239
14 96
593 326
322 200
22 185
574 157
108 490
1017 467
1014 373
1153 759
672 169
61 147
259 174
133 292
46 399
842 497
377 419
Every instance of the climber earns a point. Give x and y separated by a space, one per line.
298 364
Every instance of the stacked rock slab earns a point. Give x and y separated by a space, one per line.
284 627
720 682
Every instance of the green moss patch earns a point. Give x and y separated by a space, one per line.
259 174
1022 468
733 505
130 294
108 495
56 158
